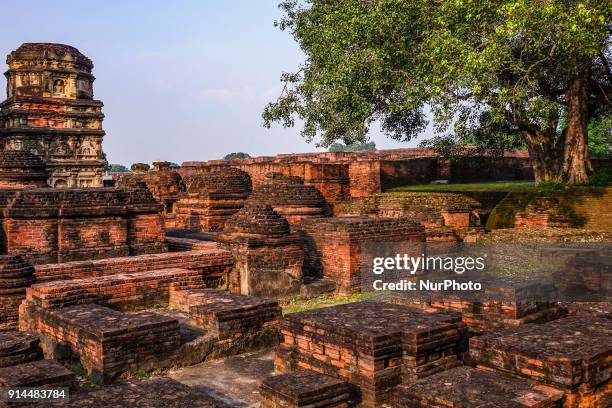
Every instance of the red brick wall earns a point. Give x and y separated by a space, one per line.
59 225
36 240
418 170
333 247
211 263
365 178
271 271
145 234
123 291
107 343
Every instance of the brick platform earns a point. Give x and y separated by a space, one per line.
15 276
501 303
18 348
211 261
48 225
470 388
599 309
226 315
304 388
107 342
42 373
433 210
122 291
156 393
333 246
572 353
375 346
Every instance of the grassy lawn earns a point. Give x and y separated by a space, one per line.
301 305
488 186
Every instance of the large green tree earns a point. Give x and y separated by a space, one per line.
488 68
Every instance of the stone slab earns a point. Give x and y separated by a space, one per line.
470 388
569 352
303 388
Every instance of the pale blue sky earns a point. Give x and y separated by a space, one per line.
180 80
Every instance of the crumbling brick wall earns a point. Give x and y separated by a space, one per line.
59 225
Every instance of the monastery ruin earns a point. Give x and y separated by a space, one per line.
50 112
113 292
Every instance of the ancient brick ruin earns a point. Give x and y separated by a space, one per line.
165 185
211 198
57 225
16 275
571 354
464 386
289 196
374 346
20 169
268 257
340 175
50 111
175 267
334 247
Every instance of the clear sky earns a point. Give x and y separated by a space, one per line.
181 80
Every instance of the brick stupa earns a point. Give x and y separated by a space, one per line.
268 257
212 198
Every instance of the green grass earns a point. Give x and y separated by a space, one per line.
488 186
301 305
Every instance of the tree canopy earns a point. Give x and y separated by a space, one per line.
237 155
355 147
487 69
117 168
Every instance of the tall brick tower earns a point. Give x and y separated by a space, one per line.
50 111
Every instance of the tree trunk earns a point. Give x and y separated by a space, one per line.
543 154
576 164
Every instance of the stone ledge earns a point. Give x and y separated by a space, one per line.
42 373
468 387
567 353
304 388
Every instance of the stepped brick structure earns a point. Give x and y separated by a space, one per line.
50 111
15 276
213 263
467 387
501 303
374 346
335 248
164 184
108 343
304 388
572 354
18 348
211 198
20 169
228 316
40 374
433 210
59 225
291 198
268 257
122 291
